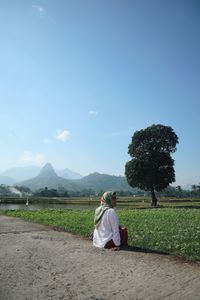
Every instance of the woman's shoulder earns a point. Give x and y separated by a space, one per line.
111 211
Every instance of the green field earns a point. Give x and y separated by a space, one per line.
123 202
175 231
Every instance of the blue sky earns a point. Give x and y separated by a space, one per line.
79 77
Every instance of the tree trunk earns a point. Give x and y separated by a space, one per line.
153 198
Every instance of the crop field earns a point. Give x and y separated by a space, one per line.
131 202
169 229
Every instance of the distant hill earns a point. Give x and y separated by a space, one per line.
24 173
6 180
96 181
68 174
21 173
99 182
48 178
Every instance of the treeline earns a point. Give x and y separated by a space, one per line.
22 191
171 191
179 192
60 192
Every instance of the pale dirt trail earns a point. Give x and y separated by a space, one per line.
37 262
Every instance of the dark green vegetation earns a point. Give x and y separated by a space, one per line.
174 228
24 192
151 168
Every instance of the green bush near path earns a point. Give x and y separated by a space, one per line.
171 230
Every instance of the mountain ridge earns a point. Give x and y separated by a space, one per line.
94 181
6 180
17 174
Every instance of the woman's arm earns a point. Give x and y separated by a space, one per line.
114 223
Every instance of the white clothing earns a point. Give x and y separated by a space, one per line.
107 230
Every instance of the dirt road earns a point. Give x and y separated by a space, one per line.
37 262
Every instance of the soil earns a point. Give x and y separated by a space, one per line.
37 262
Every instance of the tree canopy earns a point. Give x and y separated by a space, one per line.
151 167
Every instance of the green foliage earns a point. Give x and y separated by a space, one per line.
75 221
5 191
151 167
173 231
196 190
47 192
170 230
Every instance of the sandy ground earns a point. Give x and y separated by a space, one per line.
37 262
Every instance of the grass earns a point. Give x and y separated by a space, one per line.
175 231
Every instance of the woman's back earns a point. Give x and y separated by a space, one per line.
108 229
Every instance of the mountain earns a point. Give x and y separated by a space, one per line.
47 171
22 173
7 180
68 174
36 178
48 178
99 182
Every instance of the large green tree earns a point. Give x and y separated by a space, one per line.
151 167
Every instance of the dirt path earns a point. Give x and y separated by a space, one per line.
39 263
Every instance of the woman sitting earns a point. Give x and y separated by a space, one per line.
107 232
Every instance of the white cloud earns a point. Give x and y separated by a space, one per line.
93 113
39 159
29 157
38 8
26 156
46 141
62 135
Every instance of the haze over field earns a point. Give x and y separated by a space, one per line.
78 78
